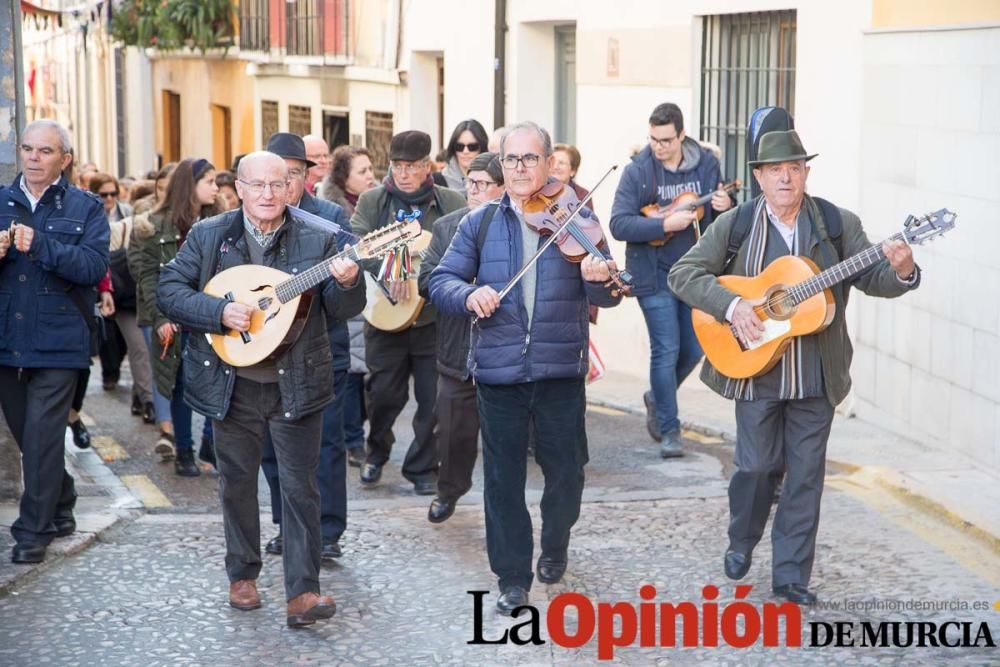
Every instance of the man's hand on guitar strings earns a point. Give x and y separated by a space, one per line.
399 290
344 271
236 316
745 322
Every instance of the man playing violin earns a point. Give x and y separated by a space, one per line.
529 360
670 166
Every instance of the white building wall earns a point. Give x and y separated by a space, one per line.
929 364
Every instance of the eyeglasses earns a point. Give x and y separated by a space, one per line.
107 195
529 160
256 188
410 168
663 142
475 186
472 148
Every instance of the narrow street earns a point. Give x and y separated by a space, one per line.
152 590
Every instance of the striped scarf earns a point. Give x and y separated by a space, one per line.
790 366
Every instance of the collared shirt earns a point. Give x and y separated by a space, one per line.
32 199
263 238
787 233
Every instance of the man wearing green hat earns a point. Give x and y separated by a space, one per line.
783 417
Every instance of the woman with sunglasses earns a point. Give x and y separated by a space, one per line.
190 196
467 141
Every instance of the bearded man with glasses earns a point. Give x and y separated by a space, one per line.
393 357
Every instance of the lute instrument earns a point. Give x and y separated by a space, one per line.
281 301
388 314
797 301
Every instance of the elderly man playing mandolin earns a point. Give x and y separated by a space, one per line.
784 414
529 360
284 394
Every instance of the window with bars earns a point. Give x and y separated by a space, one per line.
378 133
304 22
747 62
299 120
255 25
268 120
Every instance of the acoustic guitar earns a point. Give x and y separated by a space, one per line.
796 301
281 301
386 314
686 201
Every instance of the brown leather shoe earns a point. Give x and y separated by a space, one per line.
308 608
243 595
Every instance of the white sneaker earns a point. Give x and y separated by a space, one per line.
165 446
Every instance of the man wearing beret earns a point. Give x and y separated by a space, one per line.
393 357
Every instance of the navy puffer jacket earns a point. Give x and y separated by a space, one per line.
504 350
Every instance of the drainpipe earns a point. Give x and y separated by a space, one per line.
499 63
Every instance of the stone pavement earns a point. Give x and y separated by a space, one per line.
943 481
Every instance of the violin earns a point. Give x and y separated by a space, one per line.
686 201
547 211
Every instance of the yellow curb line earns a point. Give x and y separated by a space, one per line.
146 491
108 448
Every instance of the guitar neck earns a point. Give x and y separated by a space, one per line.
840 272
297 284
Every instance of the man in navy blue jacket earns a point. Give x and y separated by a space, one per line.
331 476
53 251
529 358
669 166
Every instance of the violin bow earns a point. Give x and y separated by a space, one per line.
552 238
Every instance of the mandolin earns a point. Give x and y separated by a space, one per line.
796 301
686 201
386 314
282 301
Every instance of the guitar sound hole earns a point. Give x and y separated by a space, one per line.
778 306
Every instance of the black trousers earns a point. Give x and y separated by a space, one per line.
556 410
36 403
771 434
112 350
255 409
392 359
331 477
457 434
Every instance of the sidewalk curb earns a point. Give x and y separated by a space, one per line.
890 480
122 507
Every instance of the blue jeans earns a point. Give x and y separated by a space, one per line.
160 402
354 411
556 410
674 351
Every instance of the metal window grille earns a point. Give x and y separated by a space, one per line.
378 133
748 61
255 25
304 22
299 120
268 120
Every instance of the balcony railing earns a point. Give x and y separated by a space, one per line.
308 27
255 25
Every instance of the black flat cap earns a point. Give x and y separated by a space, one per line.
290 146
411 145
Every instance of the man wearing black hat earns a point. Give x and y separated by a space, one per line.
393 357
331 476
457 428
784 415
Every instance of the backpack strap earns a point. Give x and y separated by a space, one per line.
738 232
830 226
484 226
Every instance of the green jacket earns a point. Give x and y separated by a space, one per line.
693 280
153 244
373 211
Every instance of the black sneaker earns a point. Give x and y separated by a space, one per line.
356 457
136 406
184 464
149 413
81 437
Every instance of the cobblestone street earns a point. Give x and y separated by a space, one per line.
152 590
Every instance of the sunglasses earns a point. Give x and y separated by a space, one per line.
107 195
473 147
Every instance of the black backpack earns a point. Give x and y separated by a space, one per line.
830 228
